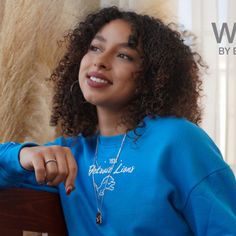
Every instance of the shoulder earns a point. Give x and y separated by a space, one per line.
173 125
186 153
177 131
186 145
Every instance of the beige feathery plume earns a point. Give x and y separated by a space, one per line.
28 53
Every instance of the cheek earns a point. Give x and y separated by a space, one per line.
128 79
131 84
127 85
82 69
83 64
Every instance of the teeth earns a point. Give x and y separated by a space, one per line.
98 80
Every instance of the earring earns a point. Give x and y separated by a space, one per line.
73 85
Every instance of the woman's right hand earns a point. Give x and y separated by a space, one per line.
62 166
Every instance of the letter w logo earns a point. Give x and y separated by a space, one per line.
225 28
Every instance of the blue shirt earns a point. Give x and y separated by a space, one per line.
171 181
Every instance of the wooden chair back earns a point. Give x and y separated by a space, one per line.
30 210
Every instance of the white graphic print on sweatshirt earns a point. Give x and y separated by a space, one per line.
108 182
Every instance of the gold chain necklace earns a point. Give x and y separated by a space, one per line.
99 201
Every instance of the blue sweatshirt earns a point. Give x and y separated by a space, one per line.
171 181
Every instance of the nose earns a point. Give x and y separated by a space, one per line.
102 62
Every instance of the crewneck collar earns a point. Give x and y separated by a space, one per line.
115 140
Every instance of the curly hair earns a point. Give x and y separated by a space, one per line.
169 85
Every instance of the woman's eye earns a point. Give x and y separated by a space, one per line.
125 57
94 48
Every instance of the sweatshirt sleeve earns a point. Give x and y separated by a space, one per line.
211 205
12 174
205 192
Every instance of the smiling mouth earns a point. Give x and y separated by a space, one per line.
98 80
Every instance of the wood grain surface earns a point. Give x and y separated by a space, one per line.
30 210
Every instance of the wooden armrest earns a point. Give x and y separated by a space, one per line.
31 210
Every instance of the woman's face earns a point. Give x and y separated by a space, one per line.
109 68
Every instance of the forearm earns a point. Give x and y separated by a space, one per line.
12 174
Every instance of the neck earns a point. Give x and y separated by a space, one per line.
108 123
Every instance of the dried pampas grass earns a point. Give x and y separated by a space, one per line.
30 30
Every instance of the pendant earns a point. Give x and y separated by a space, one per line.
99 218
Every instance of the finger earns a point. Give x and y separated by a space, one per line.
51 167
62 169
72 170
39 169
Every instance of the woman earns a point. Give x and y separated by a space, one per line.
126 99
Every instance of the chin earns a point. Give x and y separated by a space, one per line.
91 99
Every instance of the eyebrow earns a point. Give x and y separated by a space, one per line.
125 45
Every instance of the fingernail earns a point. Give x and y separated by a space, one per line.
69 190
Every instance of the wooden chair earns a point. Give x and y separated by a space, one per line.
30 210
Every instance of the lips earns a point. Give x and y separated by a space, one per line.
99 76
97 80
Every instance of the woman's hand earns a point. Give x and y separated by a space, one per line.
52 165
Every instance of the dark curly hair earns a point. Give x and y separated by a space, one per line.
169 84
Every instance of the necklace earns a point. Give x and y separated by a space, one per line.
99 200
